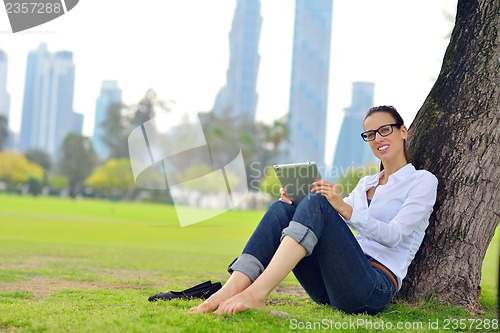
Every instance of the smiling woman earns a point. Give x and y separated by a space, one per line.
389 211
390 118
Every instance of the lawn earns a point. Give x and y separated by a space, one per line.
89 266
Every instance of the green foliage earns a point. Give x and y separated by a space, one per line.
39 157
276 134
58 182
114 174
77 160
271 184
89 266
15 168
117 130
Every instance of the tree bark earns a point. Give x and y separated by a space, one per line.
455 135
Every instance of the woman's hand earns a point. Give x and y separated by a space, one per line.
332 194
284 197
327 189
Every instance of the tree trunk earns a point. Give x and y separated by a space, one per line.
455 135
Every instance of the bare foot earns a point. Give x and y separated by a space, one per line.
243 301
237 283
213 301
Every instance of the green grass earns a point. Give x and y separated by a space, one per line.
88 266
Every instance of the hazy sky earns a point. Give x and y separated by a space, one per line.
180 48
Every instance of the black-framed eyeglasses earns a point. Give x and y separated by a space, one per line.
384 130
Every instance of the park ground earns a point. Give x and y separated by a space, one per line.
89 266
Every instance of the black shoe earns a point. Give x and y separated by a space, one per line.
202 290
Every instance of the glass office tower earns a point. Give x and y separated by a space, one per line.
48 101
309 85
238 98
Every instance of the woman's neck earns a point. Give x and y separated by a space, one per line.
392 167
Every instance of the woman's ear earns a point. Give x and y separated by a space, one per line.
404 131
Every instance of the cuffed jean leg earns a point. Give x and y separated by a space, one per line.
264 241
337 271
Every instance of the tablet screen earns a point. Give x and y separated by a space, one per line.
297 178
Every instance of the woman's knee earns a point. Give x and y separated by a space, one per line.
281 212
280 207
314 199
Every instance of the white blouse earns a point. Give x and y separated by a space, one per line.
392 227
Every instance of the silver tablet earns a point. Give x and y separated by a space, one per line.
297 178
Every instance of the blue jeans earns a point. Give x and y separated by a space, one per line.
335 270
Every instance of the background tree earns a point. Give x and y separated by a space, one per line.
15 168
269 141
455 135
149 106
41 158
4 132
113 176
117 128
57 183
275 135
77 161
121 119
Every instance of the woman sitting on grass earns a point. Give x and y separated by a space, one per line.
389 211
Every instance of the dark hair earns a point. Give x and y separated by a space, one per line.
397 118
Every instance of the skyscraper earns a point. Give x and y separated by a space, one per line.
309 86
48 101
238 98
110 94
4 95
351 150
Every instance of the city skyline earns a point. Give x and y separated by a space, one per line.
184 57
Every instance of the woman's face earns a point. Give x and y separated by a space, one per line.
389 147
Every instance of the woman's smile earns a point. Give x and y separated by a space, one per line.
383 148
